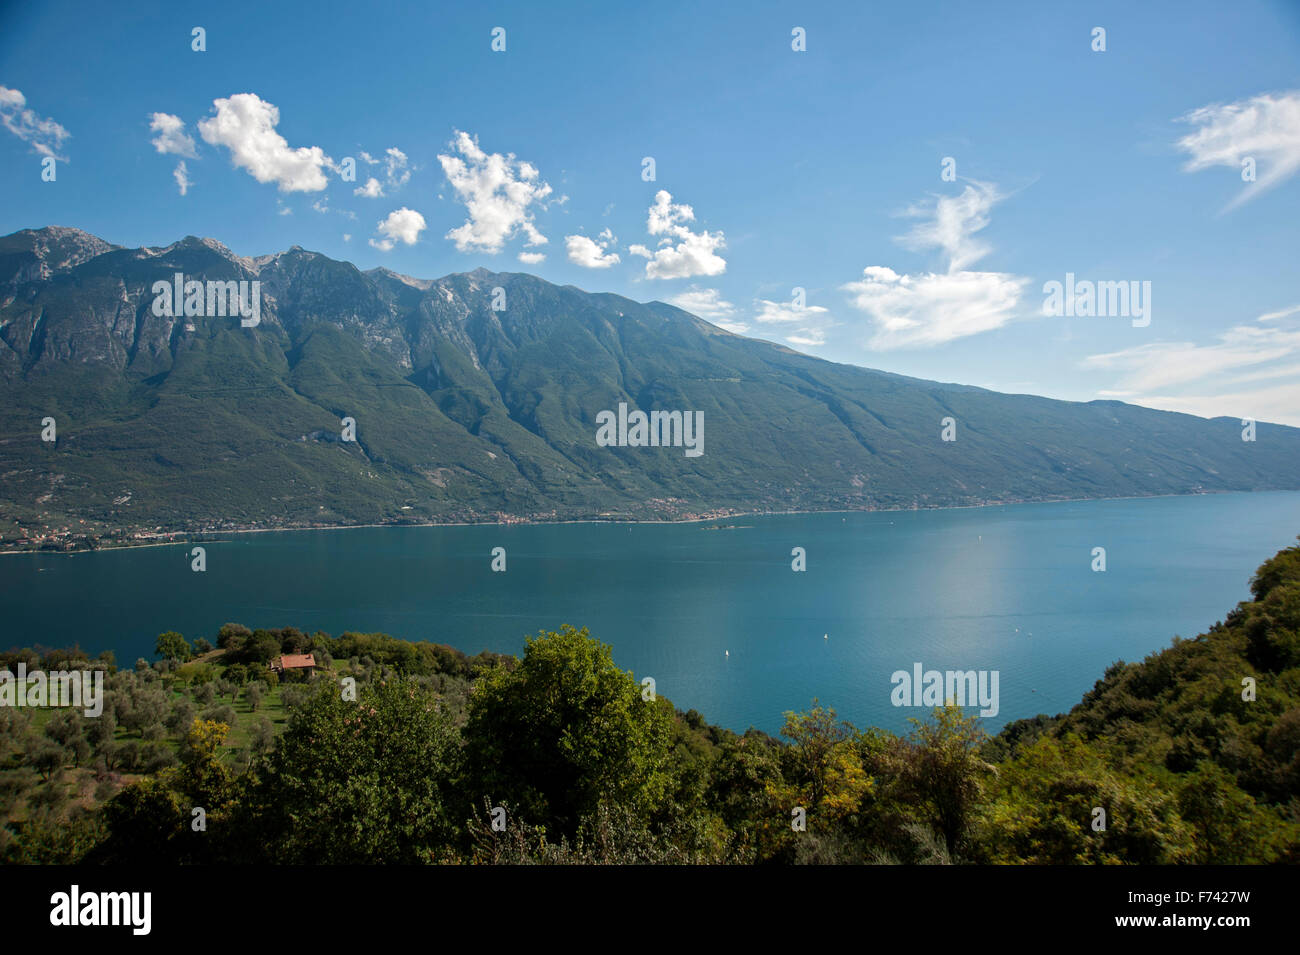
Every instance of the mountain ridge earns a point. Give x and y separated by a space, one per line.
469 413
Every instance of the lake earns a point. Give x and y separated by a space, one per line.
715 614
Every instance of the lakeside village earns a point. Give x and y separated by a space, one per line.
89 535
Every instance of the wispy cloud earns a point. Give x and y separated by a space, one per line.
1280 313
707 303
1207 379
396 172
949 223
1265 128
783 313
1277 404
41 133
932 308
1147 367
813 321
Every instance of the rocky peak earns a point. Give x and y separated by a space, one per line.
36 254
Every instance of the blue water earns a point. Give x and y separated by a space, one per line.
946 588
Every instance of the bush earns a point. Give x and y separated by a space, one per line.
223 713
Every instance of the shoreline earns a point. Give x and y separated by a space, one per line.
187 537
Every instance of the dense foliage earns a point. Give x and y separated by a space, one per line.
400 752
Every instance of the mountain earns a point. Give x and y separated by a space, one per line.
468 413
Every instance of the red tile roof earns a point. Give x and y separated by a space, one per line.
296 661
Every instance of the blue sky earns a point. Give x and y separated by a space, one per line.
775 169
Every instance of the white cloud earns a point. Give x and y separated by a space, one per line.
1278 404
498 191
1280 313
707 303
812 319
44 135
1263 374
245 124
1213 374
1165 364
775 313
532 258
397 173
932 308
402 225
591 253
1265 128
809 336
695 253
950 223
172 138
395 167
182 177
347 236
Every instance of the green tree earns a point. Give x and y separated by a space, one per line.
147 824
565 730
204 778
941 770
46 758
172 646
260 648
231 636
261 737
355 782
1229 829
823 767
